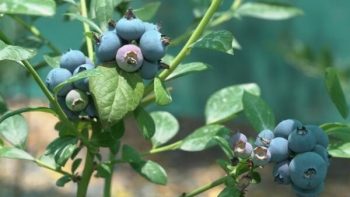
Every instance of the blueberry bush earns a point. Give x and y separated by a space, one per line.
124 67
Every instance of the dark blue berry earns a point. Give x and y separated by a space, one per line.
72 59
279 149
70 114
308 192
153 45
285 127
150 26
322 151
321 136
281 173
264 138
107 46
149 69
301 140
57 76
129 27
82 84
237 137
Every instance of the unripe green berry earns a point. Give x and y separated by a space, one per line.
76 100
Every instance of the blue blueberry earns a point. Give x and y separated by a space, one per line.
149 69
264 138
91 109
153 45
243 149
286 127
107 46
72 59
321 136
308 192
82 84
88 61
279 149
76 100
70 114
57 76
150 26
281 173
261 156
129 58
322 151
301 140
307 170
237 137
129 27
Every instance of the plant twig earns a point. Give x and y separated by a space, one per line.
90 49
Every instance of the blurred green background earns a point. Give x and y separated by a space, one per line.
263 58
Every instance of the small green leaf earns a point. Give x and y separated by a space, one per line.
166 127
14 153
151 171
340 150
28 7
85 20
61 149
230 192
64 129
202 138
104 11
75 165
163 97
185 69
258 112
104 170
225 146
53 62
131 155
256 178
15 130
110 137
335 91
148 11
269 11
61 182
338 133
26 109
15 53
221 40
145 122
115 93
224 104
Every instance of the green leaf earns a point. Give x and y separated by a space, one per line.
163 97
338 133
26 109
224 104
86 21
221 40
110 137
53 62
131 155
15 153
104 170
341 150
185 69
15 53
148 11
166 127
104 11
28 7
145 122
335 91
202 138
3 105
15 130
225 146
151 171
258 112
269 11
256 178
75 165
71 2
61 182
61 149
115 93
230 192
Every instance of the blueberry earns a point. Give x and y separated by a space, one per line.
285 127
153 45
129 58
149 69
243 149
88 61
281 173
261 156
129 27
264 138
150 26
237 137
107 46
91 109
308 192
70 114
301 140
76 100
279 149
322 151
321 136
307 170
82 84
57 76
72 59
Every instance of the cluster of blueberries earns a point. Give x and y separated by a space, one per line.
135 46
298 151
74 98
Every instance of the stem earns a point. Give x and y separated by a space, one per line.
36 33
108 180
236 4
205 187
169 147
86 176
44 165
90 50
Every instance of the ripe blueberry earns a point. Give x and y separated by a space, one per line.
307 170
285 127
321 136
153 45
308 192
237 137
82 84
76 100
264 138
130 27
261 156
72 59
150 26
301 140
281 173
91 109
70 114
129 58
279 149
149 69
57 76
243 149
322 151
107 46
88 61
